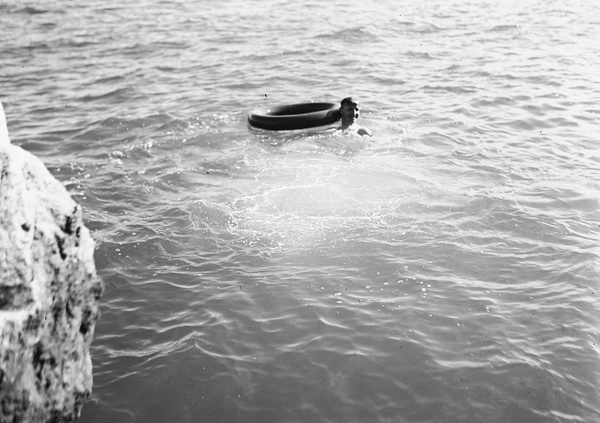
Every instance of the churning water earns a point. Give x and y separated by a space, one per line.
445 270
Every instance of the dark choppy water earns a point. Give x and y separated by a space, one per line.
445 270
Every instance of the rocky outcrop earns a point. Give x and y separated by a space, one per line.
49 293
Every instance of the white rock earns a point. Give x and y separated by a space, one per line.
4 140
49 293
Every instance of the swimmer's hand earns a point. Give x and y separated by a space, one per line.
364 131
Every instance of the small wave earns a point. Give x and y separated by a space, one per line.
453 67
419 55
486 74
388 81
529 124
406 23
35 47
79 44
419 27
558 196
108 80
118 94
356 34
456 90
543 79
29 10
502 28
167 69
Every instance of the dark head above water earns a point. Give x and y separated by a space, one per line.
350 111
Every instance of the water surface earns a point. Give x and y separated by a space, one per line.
444 270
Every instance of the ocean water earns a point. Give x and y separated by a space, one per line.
445 270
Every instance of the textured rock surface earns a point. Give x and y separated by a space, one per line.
49 293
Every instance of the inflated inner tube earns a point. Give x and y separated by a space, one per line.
294 116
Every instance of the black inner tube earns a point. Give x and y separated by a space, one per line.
294 116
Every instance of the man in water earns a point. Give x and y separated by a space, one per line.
350 110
